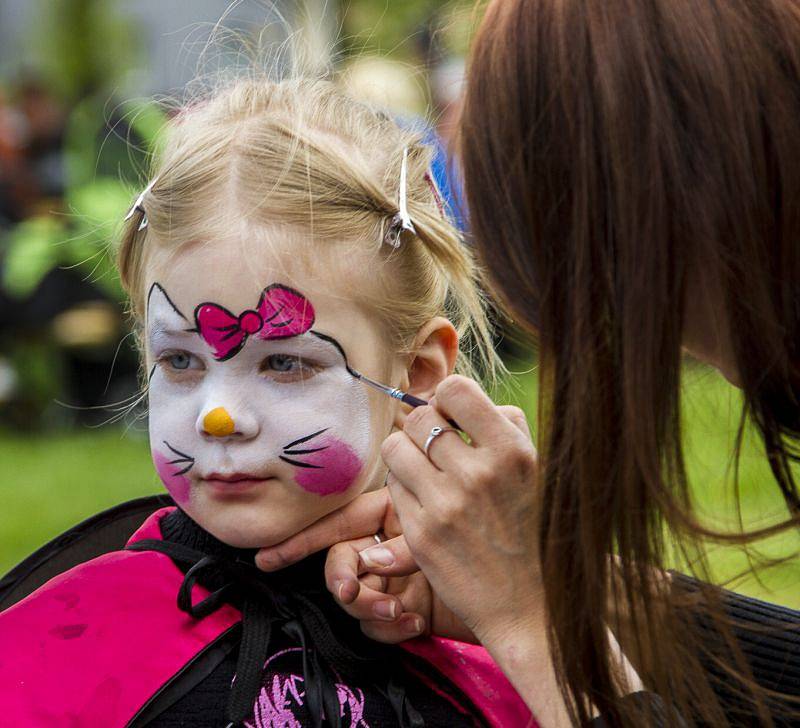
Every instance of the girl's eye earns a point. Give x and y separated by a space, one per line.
179 363
281 363
288 368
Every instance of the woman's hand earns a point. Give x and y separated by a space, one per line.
390 608
468 511
396 589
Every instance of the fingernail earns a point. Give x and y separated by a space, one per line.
415 626
263 561
385 609
339 590
377 556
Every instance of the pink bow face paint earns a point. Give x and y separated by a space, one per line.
281 313
256 426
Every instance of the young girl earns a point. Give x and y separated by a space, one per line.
291 239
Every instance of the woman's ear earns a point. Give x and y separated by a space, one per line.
435 350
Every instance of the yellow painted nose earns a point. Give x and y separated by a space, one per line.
218 423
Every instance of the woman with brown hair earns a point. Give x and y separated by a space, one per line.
633 184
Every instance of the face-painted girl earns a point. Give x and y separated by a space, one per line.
257 428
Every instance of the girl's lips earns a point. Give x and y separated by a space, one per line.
233 477
233 483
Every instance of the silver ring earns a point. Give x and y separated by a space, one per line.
377 538
435 432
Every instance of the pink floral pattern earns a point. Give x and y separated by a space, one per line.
283 693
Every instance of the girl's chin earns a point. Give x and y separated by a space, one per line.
245 525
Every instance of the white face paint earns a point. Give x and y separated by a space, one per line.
257 428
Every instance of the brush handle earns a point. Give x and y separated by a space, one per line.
413 401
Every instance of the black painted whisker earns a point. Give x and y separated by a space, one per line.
305 452
178 452
305 439
299 464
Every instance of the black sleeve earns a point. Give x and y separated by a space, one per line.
769 638
650 705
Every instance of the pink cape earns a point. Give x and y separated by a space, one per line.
90 647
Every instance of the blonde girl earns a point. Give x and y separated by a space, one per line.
290 240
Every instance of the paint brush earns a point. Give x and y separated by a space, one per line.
396 393
393 392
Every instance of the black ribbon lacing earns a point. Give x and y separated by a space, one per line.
264 605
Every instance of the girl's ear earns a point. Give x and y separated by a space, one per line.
435 350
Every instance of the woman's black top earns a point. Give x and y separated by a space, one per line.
769 638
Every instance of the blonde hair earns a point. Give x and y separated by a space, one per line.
303 154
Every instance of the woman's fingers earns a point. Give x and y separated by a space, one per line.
406 627
343 568
363 516
446 451
461 399
408 464
516 417
416 600
373 602
390 558
345 565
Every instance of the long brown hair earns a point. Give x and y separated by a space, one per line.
614 151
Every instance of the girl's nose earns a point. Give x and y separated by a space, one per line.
219 423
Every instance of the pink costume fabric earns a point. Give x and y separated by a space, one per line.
90 647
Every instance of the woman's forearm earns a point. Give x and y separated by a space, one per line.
523 654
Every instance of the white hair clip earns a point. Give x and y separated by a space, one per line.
138 205
402 220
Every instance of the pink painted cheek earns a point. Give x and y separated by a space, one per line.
337 468
178 486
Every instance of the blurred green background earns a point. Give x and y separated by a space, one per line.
78 119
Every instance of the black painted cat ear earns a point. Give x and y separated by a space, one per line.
159 301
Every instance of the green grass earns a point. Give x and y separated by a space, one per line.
52 482
711 413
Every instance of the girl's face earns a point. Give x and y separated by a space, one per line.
257 429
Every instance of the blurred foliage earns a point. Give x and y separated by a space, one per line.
81 46
371 27
38 364
95 201
81 50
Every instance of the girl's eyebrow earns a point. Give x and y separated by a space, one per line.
320 343
330 340
158 330
340 349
